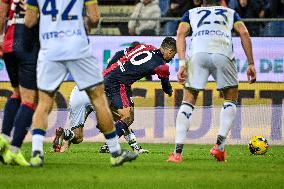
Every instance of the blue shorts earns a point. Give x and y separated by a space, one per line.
119 97
21 68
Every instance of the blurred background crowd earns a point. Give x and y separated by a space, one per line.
143 9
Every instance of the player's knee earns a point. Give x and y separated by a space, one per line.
127 116
96 92
77 140
28 95
128 119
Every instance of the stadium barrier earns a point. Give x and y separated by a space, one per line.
268 55
157 125
260 113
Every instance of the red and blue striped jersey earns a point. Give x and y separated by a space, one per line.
17 36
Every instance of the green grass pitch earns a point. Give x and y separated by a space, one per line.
82 167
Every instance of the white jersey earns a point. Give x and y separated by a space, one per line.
62 32
211 29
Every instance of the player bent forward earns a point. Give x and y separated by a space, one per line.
125 68
211 52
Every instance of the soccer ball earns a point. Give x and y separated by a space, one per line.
258 145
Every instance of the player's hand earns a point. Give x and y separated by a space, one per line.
251 73
170 92
181 74
167 87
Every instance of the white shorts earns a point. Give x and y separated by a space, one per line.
80 107
202 65
85 72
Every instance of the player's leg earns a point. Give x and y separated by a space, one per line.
126 119
50 74
88 77
79 109
198 74
225 75
122 107
13 103
28 91
40 124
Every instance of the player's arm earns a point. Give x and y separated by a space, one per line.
183 29
4 8
93 13
241 29
31 16
163 72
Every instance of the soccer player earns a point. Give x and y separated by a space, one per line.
211 53
64 47
20 47
125 68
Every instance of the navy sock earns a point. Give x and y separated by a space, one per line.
10 111
121 127
23 121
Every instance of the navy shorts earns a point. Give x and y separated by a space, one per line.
119 97
21 68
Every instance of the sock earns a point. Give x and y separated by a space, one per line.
11 108
221 141
227 117
131 139
112 142
121 127
22 123
37 141
14 149
68 134
182 124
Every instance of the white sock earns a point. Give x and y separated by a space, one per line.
37 143
68 134
14 149
227 117
130 137
113 145
8 138
182 122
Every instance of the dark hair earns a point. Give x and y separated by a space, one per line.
169 43
134 44
211 2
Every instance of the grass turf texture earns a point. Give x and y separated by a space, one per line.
82 167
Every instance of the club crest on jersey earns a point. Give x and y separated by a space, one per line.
61 34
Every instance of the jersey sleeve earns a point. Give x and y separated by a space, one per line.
185 18
90 2
163 71
32 4
237 17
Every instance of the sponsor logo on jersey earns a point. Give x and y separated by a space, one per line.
61 34
212 32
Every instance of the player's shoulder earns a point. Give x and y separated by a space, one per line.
227 9
197 9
